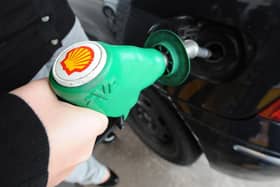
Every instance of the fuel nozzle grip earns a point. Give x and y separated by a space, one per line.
109 78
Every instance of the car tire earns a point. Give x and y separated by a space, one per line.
123 12
110 17
107 11
91 37
159 126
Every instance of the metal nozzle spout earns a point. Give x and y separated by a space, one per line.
194 50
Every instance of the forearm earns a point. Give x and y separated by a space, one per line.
71 130
24 144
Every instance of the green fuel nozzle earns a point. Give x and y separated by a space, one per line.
109 78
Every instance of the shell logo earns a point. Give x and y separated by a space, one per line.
77 59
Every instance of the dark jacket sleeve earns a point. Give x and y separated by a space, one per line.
24 144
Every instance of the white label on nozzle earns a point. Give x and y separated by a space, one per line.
79 64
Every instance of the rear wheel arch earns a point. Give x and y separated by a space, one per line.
182 147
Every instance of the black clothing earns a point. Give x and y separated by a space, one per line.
30 32
24 145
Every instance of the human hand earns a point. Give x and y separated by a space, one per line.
71 130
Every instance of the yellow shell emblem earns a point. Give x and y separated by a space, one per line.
77 59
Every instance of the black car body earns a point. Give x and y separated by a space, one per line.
231 101
229 108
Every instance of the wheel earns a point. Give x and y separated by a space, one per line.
122 15
91 37
159 126
111 17
108 12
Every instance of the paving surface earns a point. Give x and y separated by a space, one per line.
138 166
